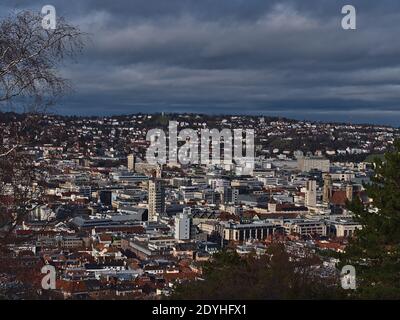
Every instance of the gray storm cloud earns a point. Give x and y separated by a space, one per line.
233 56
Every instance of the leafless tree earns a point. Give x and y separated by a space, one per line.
30 57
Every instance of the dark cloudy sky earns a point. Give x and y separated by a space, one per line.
288 58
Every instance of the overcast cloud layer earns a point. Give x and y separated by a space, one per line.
288 58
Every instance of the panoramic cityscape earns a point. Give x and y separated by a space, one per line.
115 226
199 150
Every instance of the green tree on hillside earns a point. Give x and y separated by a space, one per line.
375 250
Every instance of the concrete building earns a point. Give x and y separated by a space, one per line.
71 242
327 192
159 172
229 195
219 183
156 199
131 162
183 224
342 228
349 192
308 164
230 231
311 193
305 227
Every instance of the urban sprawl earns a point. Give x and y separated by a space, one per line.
115 226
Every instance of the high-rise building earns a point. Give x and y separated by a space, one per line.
131 162
311 193
229 195
327 192
349 192
159 172
156 199
183 223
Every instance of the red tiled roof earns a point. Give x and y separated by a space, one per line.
339 198
225 216
71 286
330 245
23 232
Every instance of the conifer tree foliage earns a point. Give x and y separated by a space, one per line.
375 249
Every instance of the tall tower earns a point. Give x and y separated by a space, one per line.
272 205
183 224
327 194
159 171
131 162
311 193
349 192
156 199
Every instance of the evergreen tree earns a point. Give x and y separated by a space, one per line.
375 249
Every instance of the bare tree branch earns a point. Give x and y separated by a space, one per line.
30 56
29 59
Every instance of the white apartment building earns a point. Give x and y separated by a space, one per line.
183 225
